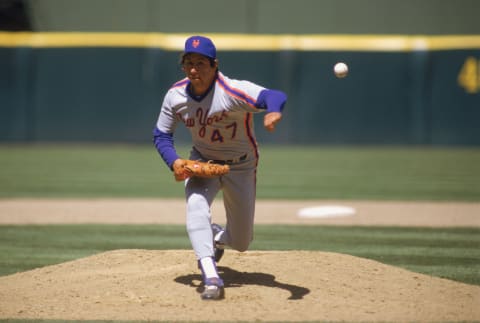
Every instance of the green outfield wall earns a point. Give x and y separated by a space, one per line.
97 70
109 87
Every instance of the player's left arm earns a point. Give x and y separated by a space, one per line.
274 102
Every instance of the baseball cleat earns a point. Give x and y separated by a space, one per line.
218 247
213 289
219 250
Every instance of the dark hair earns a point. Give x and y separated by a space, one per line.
182 59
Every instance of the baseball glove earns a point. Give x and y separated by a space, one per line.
185 168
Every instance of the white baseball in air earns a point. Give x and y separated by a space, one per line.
340 69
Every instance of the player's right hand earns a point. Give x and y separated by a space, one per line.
271 119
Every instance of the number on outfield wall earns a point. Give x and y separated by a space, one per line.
469 76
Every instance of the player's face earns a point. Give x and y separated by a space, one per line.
199 71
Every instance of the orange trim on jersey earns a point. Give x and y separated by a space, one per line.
248 129
180 83
239 94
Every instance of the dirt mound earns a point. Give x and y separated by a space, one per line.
275 286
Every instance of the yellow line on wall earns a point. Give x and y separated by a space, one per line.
243 42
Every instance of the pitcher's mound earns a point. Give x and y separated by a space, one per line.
260 286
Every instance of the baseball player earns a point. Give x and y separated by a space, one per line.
217 110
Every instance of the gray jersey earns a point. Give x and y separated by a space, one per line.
220 123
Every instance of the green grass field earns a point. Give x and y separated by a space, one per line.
378 173
374 173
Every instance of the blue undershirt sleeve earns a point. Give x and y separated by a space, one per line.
271 100
164 143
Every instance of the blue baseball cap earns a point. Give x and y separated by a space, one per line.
200 45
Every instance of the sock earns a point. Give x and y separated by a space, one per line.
209 270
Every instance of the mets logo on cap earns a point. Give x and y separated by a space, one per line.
201 45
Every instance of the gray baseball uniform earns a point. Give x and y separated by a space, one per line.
221 126
218 112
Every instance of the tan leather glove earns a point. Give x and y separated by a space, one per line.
184 168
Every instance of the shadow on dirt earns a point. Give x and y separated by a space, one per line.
233 278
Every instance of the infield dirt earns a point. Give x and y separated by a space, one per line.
260 286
